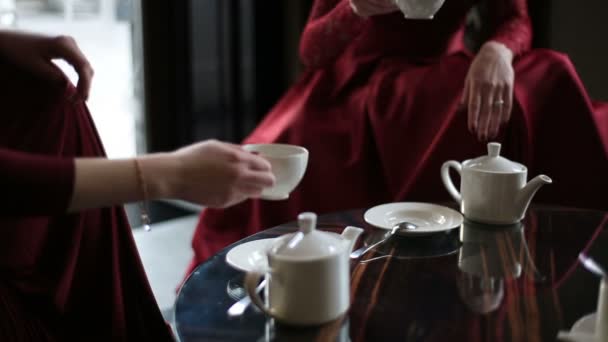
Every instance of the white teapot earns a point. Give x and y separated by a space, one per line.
308 275
493 189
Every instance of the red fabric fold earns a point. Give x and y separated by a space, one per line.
62 276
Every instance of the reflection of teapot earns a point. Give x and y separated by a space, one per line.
419 9
335 331
308 275
481 294
496 251
490 255
493 189
491 252
487 257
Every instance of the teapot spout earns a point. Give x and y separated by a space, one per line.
350 236
527 192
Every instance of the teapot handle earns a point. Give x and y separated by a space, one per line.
252 278
447 180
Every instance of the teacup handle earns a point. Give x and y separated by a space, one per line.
252 278
447 180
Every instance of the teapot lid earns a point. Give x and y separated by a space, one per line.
493 162
308 242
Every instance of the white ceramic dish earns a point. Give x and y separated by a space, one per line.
249 255
582 330
430 218
585 324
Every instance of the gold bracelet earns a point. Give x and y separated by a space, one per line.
143 204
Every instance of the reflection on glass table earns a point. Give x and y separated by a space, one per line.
471 283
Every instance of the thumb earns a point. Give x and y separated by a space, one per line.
48 70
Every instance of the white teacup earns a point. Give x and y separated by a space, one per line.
288 162
419 9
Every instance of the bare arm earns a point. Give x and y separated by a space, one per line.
102 182
210 173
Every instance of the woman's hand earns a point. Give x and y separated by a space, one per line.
35 53
488 90
367 8
211 173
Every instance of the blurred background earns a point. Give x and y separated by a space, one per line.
168 73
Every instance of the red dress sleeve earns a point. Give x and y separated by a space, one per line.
510 24
332 25
34 184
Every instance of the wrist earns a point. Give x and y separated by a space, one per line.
158 175
496 47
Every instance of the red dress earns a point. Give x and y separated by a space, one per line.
63 277
378 109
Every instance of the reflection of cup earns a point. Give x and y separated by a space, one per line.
288 166
419 9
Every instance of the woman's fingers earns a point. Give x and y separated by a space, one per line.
503 104
494 115
507 95
256 162
253 160
495 103
248 190
485 112
474 106
362 8
65 47
485 118
47 69
258 178
465 95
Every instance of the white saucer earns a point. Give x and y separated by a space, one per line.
585 324
430 218
250 255
582 330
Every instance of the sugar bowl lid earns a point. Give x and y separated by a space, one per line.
493 162
308 242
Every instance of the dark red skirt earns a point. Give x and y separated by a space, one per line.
66 276
379 131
